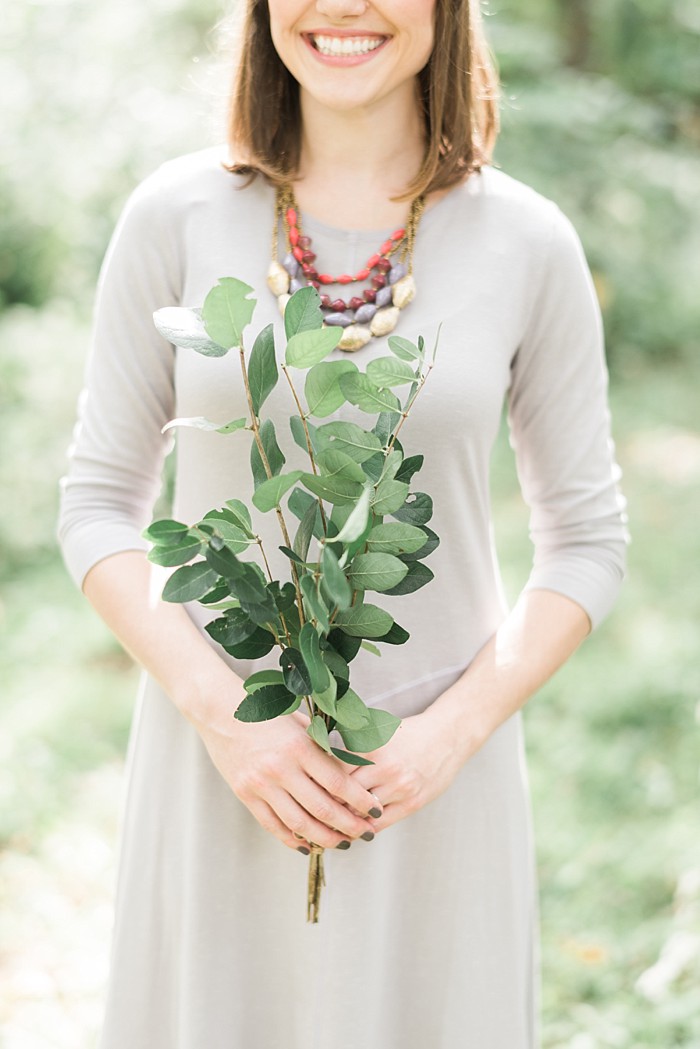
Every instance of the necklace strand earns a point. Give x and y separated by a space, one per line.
390 271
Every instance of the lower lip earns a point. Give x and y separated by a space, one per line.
344 60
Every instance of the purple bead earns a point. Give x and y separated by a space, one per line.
296 285
290 264
383 297
395 273
364 314
338 320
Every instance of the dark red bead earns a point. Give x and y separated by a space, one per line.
304 242
338 306
307 256
370 294
384 265
356 302
326 301
309 271
379 281
294 236
315 284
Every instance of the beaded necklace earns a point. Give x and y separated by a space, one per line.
375 312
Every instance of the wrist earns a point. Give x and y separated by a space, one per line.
209 695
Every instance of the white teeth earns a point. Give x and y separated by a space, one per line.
346 45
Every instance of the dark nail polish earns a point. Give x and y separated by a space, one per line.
368 835
303 850
343 845
375 813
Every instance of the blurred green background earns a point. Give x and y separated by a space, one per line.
601 111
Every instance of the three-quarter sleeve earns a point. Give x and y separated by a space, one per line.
560 431
116 459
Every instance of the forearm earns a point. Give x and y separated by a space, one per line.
537 637
125 590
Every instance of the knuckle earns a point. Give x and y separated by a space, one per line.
296 824
335 783
324 812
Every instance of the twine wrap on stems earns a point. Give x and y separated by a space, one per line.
317 880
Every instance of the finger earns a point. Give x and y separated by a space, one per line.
342 785
270 821
298 821
325 808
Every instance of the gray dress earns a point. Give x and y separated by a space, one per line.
427 937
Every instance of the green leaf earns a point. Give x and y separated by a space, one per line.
351 712
345 645
311 651
218 596
404 349
417 510
190 583
319 733
240 515
333 489
231 628
322 389
269 494
337 665
299 434
432 541
284 596
273 452
227 311
356 523
262 368
169 556
379 572
369 647
361 391
396 636
391 466
350 759
296 674
222 559
334 580
305 531
382 726
316 606
364 621
292 556
311 347
388 371
389 497
417 576
350 438
303 312
223 524
395 537
334 463
265 703
409 467
261 678
166 532
325 699
250 589
385 424
254 647
183 327
198 422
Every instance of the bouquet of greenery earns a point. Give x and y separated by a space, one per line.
318 617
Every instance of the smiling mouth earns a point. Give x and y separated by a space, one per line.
341 46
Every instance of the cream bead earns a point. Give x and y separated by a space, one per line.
277 279
384 321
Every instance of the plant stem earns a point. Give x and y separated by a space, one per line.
407 409
309 446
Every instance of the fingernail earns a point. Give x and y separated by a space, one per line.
375 813
303 850
368 835
343 845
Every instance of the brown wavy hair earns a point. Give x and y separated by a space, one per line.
458 91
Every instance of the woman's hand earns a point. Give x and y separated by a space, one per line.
295 791
417 765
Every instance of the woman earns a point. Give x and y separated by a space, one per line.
427 933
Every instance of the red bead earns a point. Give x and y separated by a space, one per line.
356 302
291 216
384 265
310 272
325 278
372 262
293 236
362 274
315 284
304 242
344 278
379 281
386 247
297 253
399 235
307 256
338 306
326 301
370 294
